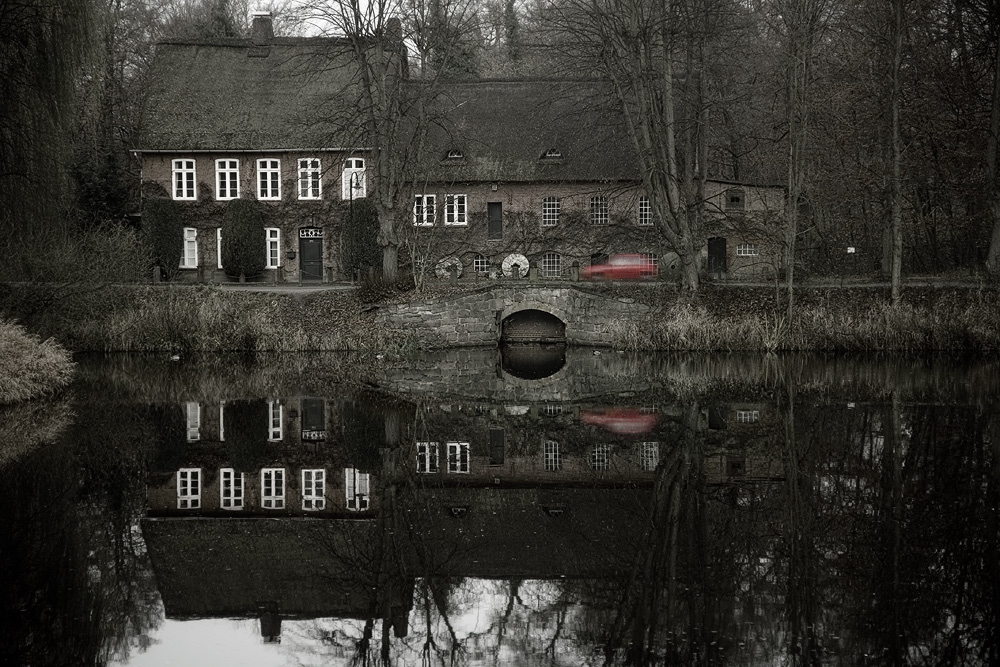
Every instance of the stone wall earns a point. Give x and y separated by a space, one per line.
475 318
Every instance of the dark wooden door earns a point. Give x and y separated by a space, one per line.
496 219
311 258
716 255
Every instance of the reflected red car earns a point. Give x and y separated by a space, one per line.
622 267
622 421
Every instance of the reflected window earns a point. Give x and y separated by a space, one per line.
189 488
427 457
313 419
551 410
276 422
313 489
192 413
458 457
356 487
747 416
551 456
231 491
272 488
600 457
649 455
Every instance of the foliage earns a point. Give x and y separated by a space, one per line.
360 244
244 249
377 288
164 233
30 367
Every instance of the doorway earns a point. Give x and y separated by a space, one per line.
311 253
717 255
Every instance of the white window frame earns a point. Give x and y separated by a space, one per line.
272 488
189 488
551 456
310 183
746 250
480 263
747 416
222 421
273 251
645 214
275 421
268 179
427 458
184 178
232 489
353 180
649 455
456 210
551 265
599 213
313 489
218 245
459 458
227 179
651 259
192 415
551 208
357 489
189 252
600 457
424 210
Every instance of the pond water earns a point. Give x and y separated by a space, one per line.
547 506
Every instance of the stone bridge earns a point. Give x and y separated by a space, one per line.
495 314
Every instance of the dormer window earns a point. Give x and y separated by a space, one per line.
552 154
735 200
455 154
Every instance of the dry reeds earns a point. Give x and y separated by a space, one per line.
29 366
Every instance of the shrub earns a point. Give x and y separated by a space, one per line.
161 221
244 244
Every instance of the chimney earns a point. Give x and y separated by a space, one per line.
262 31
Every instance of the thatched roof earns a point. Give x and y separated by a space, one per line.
233 95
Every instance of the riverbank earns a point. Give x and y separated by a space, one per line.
184 319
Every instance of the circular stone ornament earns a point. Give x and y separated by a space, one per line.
510 260
443 268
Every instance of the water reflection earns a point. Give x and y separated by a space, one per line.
623 510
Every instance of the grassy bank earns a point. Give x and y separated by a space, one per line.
29 366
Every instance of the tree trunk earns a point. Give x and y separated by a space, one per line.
993 257
896 224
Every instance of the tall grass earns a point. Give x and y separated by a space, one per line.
29 366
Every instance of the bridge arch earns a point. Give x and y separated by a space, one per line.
532 324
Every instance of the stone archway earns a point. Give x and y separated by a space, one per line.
532 325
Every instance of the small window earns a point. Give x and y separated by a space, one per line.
551 457
269 179
747 416
599 210
227 179
231 489
272 488
458 457
645 211
356 487
455 154
600 457
552 154
455 210
423 210
352 184
310 179
551 265
189 488
192 414
550 211
480 264
427 457
189 253
218 245
273 247
649 455
275 422
735 200
650 259
746 250
184 179
313 489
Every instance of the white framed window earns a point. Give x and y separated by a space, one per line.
645 211
183 176
356 488
232 489
746 250
227 179
747 416
310 178
649 455
275 421
599 210
550 211
480 264
551 265
192 415
650 259
455 210
352 180
552 409
189 488
600 457
314 489
551 457
424 207
427 457
272 488
222 421
273 236
269 179
189 252
218 245
458 457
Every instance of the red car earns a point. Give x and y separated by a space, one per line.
622 267
621 421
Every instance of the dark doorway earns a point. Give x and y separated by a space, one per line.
311 253
313 419
717 254
496 219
